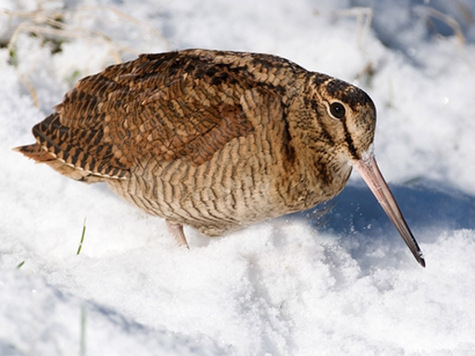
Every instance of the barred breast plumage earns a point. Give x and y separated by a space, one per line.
215 140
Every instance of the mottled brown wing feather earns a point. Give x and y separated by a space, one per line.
175 105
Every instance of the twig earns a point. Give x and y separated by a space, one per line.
449 21
364 17
31 89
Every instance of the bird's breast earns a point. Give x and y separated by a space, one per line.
244 182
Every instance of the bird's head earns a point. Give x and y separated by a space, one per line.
347 117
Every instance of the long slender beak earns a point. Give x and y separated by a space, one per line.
371 174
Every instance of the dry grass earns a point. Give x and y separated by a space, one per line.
56 26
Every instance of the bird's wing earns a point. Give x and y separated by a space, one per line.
172 105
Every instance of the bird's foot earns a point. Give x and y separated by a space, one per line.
176 230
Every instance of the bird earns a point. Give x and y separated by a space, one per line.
216 140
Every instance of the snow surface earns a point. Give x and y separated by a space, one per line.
308 284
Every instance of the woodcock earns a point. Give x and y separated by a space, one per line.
216 140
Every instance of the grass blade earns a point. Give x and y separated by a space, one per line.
82 237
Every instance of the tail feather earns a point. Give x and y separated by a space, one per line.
36 153
77 153
40 155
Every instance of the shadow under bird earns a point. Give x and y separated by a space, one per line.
216 140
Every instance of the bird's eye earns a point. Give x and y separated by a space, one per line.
337 110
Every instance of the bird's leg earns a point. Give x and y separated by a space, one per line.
176 230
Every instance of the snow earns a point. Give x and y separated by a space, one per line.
334 280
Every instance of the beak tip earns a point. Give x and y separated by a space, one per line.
421 260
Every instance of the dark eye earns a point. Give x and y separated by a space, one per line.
337 110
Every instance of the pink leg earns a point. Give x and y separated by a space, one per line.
176 230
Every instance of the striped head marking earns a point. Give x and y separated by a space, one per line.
349 115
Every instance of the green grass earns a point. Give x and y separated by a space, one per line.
82 237
82 337
13 57
73 78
